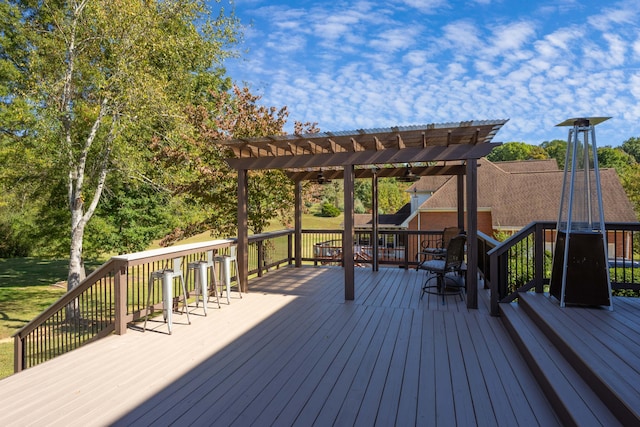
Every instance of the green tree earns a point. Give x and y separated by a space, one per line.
631 183
615 158
130 216
391 195
362 195
105 78
556 149
16 120
516 151
632 147
333 193
207 181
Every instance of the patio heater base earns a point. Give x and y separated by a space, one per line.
587 279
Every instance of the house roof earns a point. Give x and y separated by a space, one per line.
428 184
525 195
384 220
520 166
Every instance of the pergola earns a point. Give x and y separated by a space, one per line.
434 149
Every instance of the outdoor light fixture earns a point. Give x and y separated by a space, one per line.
409 176
321 179
580 273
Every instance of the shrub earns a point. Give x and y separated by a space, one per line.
328 210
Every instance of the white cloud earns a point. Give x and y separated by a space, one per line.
372 64
617 49
461 35
395 39
560 44
426 6
634 86
283 43
636 49
335 27
512 36
417 58
609 19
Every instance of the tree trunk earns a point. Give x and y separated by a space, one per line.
76 265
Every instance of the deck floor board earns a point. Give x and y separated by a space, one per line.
293 352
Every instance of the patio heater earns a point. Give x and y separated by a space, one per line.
580 274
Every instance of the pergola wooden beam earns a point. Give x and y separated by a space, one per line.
445 134
382 172
368 157
338 155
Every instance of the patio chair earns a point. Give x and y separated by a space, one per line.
438 251
453 262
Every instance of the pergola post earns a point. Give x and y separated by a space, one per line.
243 230
460 192
347 238
375 220
472 233
298 224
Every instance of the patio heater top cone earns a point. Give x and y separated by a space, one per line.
580 274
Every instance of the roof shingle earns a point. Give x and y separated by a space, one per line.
517 194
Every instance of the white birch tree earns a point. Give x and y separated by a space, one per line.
108 77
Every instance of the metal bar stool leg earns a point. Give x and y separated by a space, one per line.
225 276
212 284
184 297
199 282
201 289
149 289
167 299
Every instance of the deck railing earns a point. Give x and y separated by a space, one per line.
395 247
523 262
115 294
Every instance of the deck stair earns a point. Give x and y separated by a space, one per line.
587 384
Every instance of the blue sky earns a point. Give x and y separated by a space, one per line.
369 64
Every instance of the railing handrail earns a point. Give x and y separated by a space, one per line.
118 261
489 239
118 278
69 296
499 258
268 235
514 239
176 251
114 272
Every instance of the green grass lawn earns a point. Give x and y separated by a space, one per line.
29 285
6 359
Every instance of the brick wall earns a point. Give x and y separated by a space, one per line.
441 220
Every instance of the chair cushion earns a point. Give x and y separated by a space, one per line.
432 265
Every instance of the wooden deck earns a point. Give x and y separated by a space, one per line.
293 352
586 359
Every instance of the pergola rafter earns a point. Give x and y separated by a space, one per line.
444 134
433 149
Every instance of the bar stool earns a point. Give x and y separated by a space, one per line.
167 275
226 262
200 269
